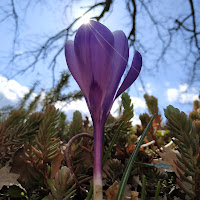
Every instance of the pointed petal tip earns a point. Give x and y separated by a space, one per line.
133 73
136 65
137 59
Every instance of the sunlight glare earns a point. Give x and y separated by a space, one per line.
85 19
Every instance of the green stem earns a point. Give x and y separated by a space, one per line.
105 157
97 171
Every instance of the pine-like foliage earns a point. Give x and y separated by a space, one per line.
128 107
152 104
75 126
145 119
113 124
34 145
45 146
32 102
62 186
115 170
187 139
16 130
27 96
56 93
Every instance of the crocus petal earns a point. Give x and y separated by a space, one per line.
97 60
120 59
94 49
73 63
132 73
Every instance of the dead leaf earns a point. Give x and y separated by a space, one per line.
157 122
111 192
56 163
7 178
136 181
119 152
87 157
169 158
20 165
176 198
134 195
131 147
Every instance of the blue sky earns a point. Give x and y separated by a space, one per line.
167 83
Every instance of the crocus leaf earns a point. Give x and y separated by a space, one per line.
130 163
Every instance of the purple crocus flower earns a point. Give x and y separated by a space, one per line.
97 59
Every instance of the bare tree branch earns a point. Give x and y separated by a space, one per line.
132 34
194 24
194 40
42 51
52 47
15 18
107 5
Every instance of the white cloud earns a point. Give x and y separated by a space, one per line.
115 108
139 107
183 94
11 92
136 120
183 87
172 94
148 88
138 103
69 108
80 105
188 97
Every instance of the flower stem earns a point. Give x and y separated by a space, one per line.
97 172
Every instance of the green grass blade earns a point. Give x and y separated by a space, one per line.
90 193
111 144
130 163
157 191
143 194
